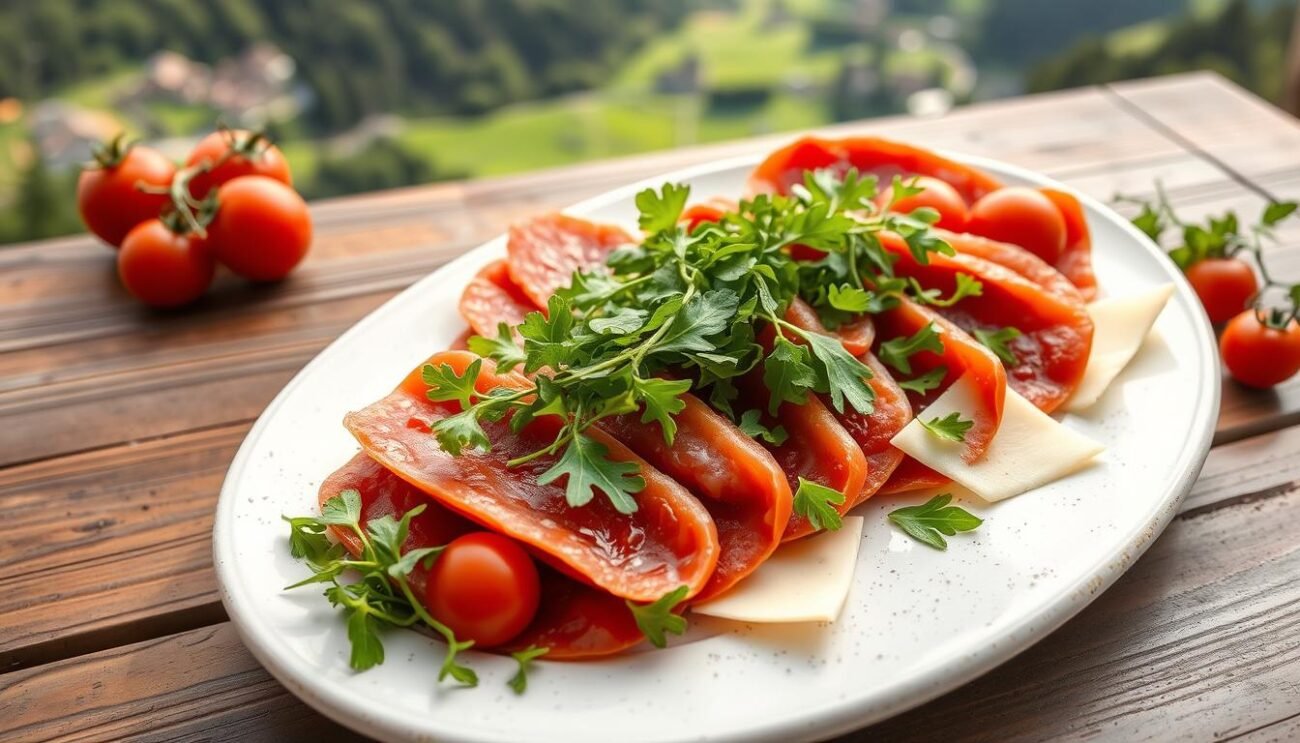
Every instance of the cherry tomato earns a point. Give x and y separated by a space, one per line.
1258 355
162 268
1021 216
107 197
938 195
1225 286
262 228
245 153
484 586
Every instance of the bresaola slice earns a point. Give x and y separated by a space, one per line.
1051 353
574 620
670 541
491 298
961 355
545 251
870 155
740 484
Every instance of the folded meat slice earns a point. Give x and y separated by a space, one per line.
545 251
891 410
870 156
961 355
737 481
1055 332
573 620
491 298
668 542
885 159
1076 261
1015 258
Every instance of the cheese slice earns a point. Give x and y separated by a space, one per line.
1119 327
1029 450
803 581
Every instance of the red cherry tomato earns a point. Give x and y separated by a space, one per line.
1258 355
938 195
162 268
1225 286
107 197
1021 216
484 586
244 153
262 228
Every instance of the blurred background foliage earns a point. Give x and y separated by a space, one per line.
372 95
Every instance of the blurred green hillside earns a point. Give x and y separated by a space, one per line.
364 96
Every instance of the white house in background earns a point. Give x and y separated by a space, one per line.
65 134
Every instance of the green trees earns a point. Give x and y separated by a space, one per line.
357 58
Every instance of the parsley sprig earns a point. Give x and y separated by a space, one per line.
382 595
929 522
679 312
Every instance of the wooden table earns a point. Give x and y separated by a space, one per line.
117 424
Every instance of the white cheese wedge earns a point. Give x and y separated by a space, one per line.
1029 450
804 581
1119 327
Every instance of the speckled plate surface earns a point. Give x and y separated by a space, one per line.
917 623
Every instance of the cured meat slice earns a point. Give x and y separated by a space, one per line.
574 620
545 251
1015 258
740 484
491 298
891 413
1076 260
668 542
870 155
1055 333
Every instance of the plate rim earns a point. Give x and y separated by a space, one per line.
827 720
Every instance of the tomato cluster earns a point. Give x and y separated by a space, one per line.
232 203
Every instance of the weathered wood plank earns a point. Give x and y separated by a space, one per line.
1198 638
159 690
110 547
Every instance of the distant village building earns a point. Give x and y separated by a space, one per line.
249 89
684 78
66 134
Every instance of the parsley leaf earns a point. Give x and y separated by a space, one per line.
926 382
343 509
751 425
502 349
705 315
588 469
462 674
444 384
952 427
967 286
661 210
997 341
662 399
927 523
849 298
816 503
845 376
363 633
458 432
655 619
788 374
897 352
525 658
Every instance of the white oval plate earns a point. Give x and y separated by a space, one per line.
918 622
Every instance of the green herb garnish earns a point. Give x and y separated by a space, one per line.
951 427
930 521
657 618
382 596
816 503
997 341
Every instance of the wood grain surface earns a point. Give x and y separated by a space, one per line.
119 424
